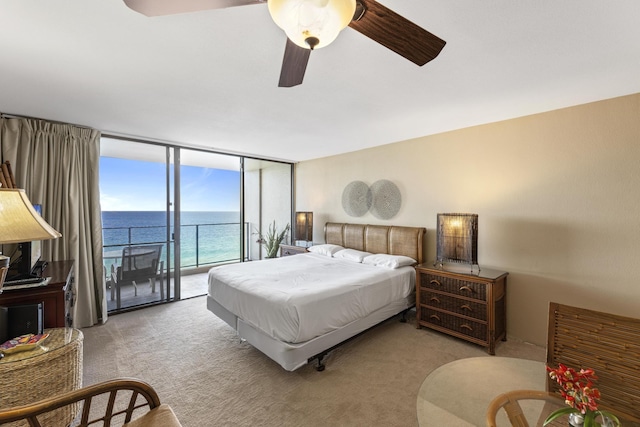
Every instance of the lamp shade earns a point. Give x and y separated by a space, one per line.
304 226
312 24
457 238
19 221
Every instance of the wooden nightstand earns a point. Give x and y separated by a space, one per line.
471 306
286 250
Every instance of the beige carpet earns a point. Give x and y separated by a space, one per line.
210 378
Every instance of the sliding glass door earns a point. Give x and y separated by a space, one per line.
210 230
135 191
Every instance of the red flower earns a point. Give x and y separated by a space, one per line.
577 387
579 394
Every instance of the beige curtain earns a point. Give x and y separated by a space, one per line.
57 165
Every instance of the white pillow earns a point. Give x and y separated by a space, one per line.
389 261
326 249
351 255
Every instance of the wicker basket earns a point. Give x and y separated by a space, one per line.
49 370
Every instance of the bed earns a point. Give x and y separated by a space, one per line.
296 309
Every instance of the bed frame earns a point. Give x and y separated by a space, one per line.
393 240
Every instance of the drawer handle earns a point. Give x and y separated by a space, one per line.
434 299
465 326
435 282
466 307
434 317
466 288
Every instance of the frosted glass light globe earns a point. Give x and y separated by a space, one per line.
312 24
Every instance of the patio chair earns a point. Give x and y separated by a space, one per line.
139 264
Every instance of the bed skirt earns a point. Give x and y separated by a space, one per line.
291 356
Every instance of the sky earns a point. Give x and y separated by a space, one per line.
132 185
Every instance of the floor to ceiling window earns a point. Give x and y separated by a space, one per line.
210 231
267 199
197 208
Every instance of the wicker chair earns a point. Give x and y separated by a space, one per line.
607 343
510 402
111 403
580 338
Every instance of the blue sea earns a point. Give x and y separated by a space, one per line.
207 237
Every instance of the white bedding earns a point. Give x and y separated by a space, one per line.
296 298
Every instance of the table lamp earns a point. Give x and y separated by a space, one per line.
304 226
457 239
19 222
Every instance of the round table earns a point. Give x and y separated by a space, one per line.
457 394
53 367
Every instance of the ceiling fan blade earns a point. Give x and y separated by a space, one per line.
172 7
396 32
294 64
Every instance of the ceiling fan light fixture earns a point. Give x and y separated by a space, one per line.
312 24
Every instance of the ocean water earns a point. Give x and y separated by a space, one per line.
207 237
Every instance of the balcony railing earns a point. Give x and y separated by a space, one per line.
201 244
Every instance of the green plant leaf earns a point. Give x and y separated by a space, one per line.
271 241
589 420
609 415
558 413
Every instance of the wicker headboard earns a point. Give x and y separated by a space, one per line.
378 239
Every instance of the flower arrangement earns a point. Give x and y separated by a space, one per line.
579 393
271 241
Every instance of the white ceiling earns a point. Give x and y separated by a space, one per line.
209 79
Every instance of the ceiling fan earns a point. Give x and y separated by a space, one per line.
313 24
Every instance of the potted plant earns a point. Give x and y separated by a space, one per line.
271 241
579 393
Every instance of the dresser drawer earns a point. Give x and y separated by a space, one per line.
454 286
474 329
471 306
477 310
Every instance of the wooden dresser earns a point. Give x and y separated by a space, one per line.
57 297
471 306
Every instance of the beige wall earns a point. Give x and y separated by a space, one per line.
557 194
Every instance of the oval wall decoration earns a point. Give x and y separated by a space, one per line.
356 198
386 199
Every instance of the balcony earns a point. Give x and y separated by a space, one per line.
202 247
